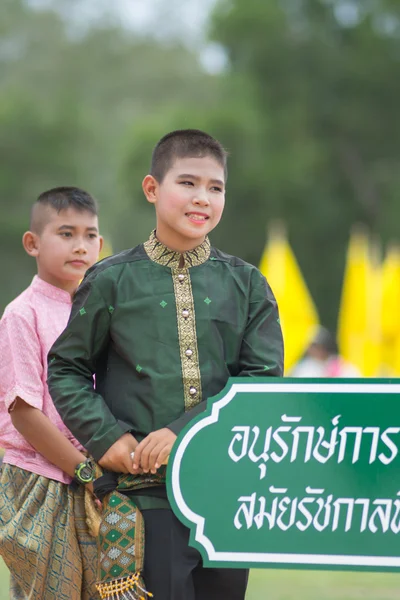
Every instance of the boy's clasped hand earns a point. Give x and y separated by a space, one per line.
126 455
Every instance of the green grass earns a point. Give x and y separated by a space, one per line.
322 585
271 584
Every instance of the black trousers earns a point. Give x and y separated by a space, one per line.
174 571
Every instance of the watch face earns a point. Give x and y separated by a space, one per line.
85 472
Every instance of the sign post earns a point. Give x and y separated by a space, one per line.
293 473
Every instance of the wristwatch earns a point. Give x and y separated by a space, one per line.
85 471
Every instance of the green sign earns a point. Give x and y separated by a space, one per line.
293 473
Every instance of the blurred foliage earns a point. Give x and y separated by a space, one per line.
66 102
308 108
325 76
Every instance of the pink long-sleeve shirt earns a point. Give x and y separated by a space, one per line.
28 328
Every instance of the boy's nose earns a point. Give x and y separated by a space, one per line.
201 199
81 247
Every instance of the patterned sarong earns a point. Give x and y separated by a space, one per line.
44 540
121 536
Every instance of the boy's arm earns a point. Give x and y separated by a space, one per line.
45 437
48 440
21 376
72 363
261 353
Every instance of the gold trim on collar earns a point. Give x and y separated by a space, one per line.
162 255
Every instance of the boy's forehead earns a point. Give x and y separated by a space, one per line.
73 216
45 217
204 166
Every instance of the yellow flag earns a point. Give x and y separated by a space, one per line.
359 327
391 312
298 315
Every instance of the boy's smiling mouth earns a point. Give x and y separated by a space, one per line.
197 217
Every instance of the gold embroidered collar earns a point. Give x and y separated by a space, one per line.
162 255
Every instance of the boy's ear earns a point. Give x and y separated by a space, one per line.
150 187
101 242
30 242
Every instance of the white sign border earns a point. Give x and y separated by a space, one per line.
275 558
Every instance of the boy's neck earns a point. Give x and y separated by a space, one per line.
61 284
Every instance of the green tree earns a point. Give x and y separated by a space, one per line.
67 99
325 80
309 111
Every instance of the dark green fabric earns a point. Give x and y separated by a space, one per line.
123 329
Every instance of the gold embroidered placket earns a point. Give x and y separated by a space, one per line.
187 337
180 264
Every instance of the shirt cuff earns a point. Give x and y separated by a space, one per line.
98 446
19 392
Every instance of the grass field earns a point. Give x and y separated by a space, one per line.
301 585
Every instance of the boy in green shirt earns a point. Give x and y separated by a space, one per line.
162 326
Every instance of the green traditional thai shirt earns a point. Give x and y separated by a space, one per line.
162 332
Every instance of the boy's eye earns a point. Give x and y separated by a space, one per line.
66 234
93 236
186 182
217 188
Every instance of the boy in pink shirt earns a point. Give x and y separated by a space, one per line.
44 539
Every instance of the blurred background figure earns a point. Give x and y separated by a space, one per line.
322 359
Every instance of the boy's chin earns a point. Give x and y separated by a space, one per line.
73 275
196 231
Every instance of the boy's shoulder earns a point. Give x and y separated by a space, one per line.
232 261
113 265
23 306
240 270
110 268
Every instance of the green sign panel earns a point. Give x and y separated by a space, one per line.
293 473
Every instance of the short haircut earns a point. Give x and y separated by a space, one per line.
185 143
59 199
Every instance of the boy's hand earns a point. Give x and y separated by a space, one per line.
153 450
118 457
